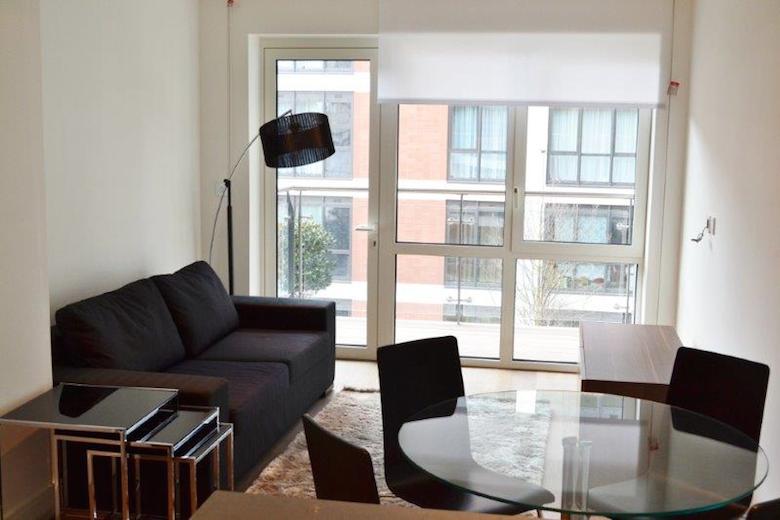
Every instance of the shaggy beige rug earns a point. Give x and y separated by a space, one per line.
357 417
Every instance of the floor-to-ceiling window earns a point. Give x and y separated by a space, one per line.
503 226
513 225
583 191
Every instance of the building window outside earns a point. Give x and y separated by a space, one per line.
594 278
338 107
587 224
478 144
592 147
334 214
472 273
475 223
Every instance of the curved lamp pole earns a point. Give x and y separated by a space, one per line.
288 141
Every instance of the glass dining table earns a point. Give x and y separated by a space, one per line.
584 454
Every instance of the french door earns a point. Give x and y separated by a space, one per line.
322 218
502 226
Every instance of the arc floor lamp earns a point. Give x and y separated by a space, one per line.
290 140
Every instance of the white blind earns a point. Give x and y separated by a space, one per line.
558 52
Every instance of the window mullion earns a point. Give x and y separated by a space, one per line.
479 143
612 147
580 115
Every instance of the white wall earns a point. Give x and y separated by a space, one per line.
25 365
225 127
121 136
24 297
729 298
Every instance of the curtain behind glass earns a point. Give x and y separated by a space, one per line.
494 124
464 128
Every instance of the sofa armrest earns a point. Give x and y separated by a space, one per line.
194 390
257 312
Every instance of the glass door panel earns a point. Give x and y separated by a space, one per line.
450 202
553 297
582 189
451 184
581 176
450 296
323 208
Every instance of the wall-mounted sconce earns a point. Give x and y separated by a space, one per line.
709 227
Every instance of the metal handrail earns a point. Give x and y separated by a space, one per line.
449 191
586 195
320 188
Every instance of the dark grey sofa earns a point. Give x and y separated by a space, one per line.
263 361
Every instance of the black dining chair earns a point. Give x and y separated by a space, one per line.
413 376
341 470
765 511
729 389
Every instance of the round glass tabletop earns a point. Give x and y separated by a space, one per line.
583 453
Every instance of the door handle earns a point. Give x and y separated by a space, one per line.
365 228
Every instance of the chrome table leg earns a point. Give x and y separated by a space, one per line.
193 487
55 474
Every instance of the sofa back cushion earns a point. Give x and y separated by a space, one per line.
201 307
129 328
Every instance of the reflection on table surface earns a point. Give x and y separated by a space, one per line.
581 452
91 407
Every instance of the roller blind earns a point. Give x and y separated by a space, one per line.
554 52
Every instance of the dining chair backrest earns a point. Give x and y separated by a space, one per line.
765 511
413 376
341 470
729 389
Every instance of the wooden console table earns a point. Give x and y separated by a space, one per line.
223 505
631 360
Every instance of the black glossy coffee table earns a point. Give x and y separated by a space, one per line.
109 416
128 424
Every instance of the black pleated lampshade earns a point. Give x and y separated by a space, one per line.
296 140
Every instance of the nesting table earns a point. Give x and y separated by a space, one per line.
127 425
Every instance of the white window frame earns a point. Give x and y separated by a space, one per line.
633 253
383 211
514 247
477 150
325 49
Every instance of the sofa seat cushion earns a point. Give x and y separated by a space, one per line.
200 305
299 350
252 387
129 328
257 399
